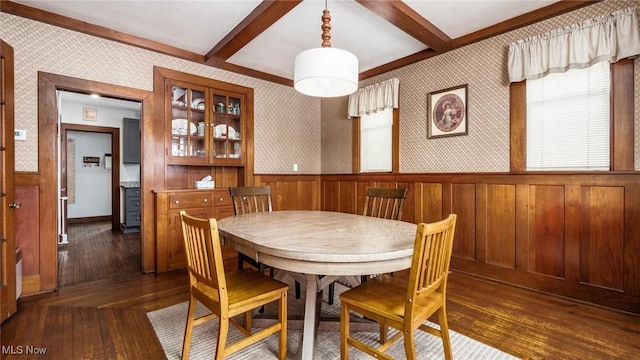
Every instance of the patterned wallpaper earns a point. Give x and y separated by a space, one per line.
293 128
287 124
483 66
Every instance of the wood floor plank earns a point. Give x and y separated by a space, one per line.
77 347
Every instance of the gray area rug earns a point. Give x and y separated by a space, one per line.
169 324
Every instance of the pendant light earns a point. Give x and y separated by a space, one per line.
325 71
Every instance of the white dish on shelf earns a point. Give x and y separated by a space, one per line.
224 131
198 103
179 127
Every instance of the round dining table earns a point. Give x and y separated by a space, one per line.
320 247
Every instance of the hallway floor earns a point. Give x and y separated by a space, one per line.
96 252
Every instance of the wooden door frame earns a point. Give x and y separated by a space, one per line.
115 170
48 85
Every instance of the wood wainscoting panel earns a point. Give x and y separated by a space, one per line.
347 196
573 235
297 194
632 240
500 248
602 245
546 250
27 228
330 199
293 192
428 202
463 203
361 187
408 209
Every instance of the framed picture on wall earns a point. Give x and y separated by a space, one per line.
89 114
447 112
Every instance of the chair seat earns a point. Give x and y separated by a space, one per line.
244 288
387 295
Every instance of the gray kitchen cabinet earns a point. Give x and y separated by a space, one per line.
131 141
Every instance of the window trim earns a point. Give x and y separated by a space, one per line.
622 120
395 144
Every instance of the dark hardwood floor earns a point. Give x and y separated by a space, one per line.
106 319
96 252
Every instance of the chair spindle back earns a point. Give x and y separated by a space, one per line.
384 203
431 259
252 199
204 252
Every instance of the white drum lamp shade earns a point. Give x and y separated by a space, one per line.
326 72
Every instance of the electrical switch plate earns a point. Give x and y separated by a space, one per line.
295 167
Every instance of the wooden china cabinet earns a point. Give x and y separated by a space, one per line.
208 130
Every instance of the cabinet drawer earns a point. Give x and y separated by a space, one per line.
132 203
185 201
222 198
132 192
133 219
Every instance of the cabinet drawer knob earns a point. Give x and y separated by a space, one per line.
206 200
177 202
221 199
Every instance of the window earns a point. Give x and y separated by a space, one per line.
376 130
375 141
568 120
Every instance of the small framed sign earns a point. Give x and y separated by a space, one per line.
89 114
447 112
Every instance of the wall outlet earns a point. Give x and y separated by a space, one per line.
20 134
295 167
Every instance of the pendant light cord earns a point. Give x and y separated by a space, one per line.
326 26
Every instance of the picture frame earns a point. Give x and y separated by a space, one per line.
447 112
89 114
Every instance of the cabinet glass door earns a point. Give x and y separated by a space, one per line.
227 127
188 122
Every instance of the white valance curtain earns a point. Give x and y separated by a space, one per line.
370 99
609 37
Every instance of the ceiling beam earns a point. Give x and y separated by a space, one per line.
408 20
259 20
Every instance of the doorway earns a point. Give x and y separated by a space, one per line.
89 177
48 128
86 180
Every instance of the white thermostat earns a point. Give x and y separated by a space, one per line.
20 134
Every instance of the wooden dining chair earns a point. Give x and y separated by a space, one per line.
227 295
405 304
246 200
254 199
381 203
384 203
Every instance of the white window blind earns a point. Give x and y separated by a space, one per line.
568 120
375 141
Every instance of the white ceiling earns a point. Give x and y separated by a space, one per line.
203 27
96 101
